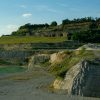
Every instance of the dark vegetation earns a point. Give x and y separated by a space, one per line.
3 62
81 29
92 36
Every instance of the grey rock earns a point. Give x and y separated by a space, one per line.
82 79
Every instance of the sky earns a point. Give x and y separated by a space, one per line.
14 13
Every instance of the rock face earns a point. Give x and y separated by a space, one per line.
57 57
38 59
90 46
15 56
39 45
82 79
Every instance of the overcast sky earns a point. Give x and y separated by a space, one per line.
14 13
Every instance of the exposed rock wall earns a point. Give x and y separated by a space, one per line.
71 77
57 57
31 46
15 56
21 46
82 79
37 60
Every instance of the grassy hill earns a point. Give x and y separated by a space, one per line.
30 39
54 30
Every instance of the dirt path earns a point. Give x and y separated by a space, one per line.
31 86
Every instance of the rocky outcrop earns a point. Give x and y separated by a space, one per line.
57 57
90 46
71 75
82 79
15 56
20 46
38 60
39 45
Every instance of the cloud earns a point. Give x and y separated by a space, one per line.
62 4
98 14
26 15
75 9
40 7
23 6
8 29
53 10
45 8
11 28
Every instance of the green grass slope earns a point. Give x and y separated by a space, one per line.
30 39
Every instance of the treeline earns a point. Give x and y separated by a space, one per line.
35 26
29 29
64 22
81 20
90 36
83 29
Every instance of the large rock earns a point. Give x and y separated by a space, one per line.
37 60
82 79
15 56
57 57
67 83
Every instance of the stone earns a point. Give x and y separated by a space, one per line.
38 60
83 79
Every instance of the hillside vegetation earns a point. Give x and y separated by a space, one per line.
81 29
30 39
71 59
75 25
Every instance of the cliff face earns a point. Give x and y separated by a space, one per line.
21 46
57 57
67 83
41 45
15 56
82 79
37 60
18 53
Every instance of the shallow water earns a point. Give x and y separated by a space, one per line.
11 69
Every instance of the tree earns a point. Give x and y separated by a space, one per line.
92 36
93 26
66 21
54 23
46 25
